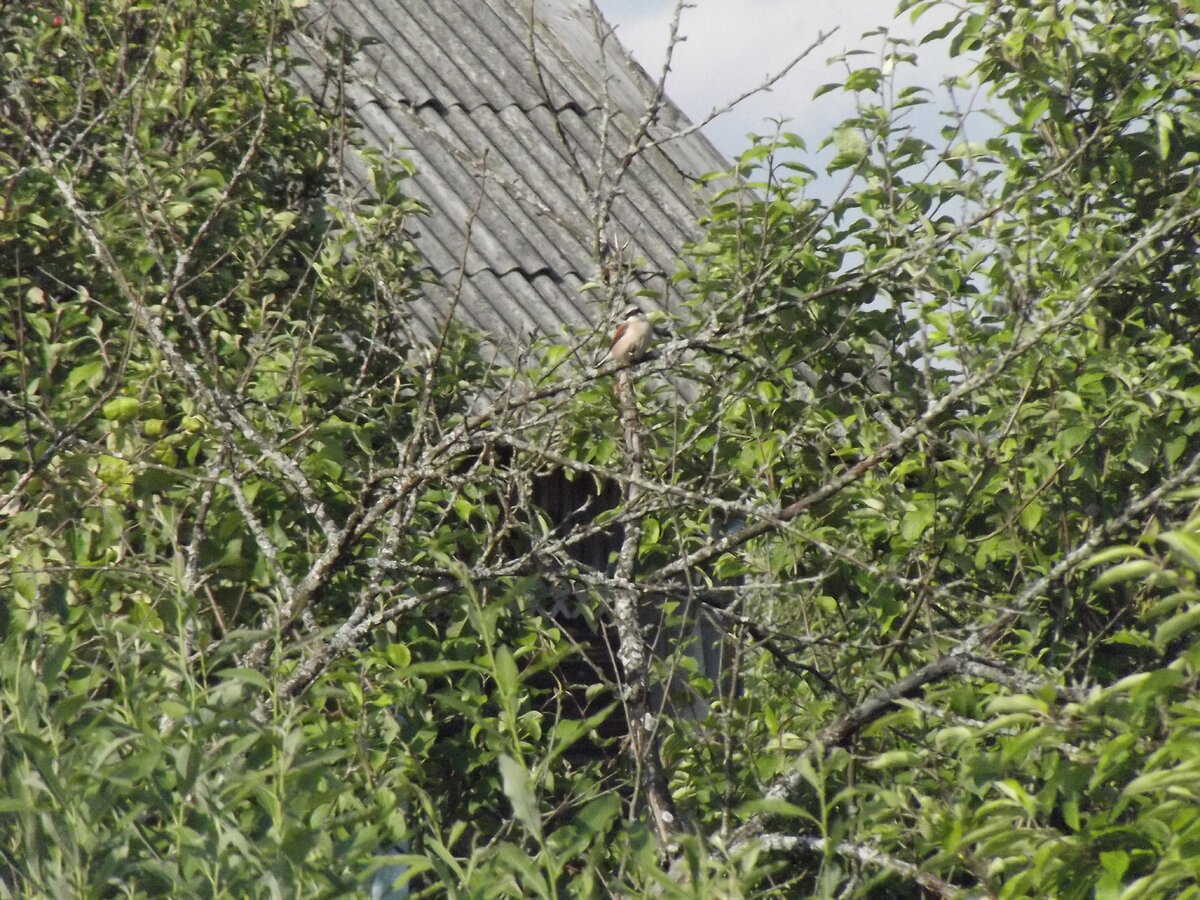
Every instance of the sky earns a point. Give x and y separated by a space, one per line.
734 45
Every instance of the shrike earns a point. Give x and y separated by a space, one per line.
632 337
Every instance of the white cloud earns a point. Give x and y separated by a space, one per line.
732 46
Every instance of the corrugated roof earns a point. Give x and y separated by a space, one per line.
509 109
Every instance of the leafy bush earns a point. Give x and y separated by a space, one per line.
274 572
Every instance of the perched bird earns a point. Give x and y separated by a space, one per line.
632 337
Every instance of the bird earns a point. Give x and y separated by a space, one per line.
632 337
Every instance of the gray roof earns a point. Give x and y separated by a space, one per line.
509 109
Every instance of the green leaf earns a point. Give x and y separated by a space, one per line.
651 533
896 759
533 882
1110 554
120 409
1185 546
90 373
864 80
252 677
851 147
507 677
1165 127
1017 703
518 787
1031 515
441 667
399 655
774 806
1176 626
1134 570
920 514
1185 775
1034 111
597 816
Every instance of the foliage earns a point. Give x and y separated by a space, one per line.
273 569
195 381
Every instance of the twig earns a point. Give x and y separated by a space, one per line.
864 854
